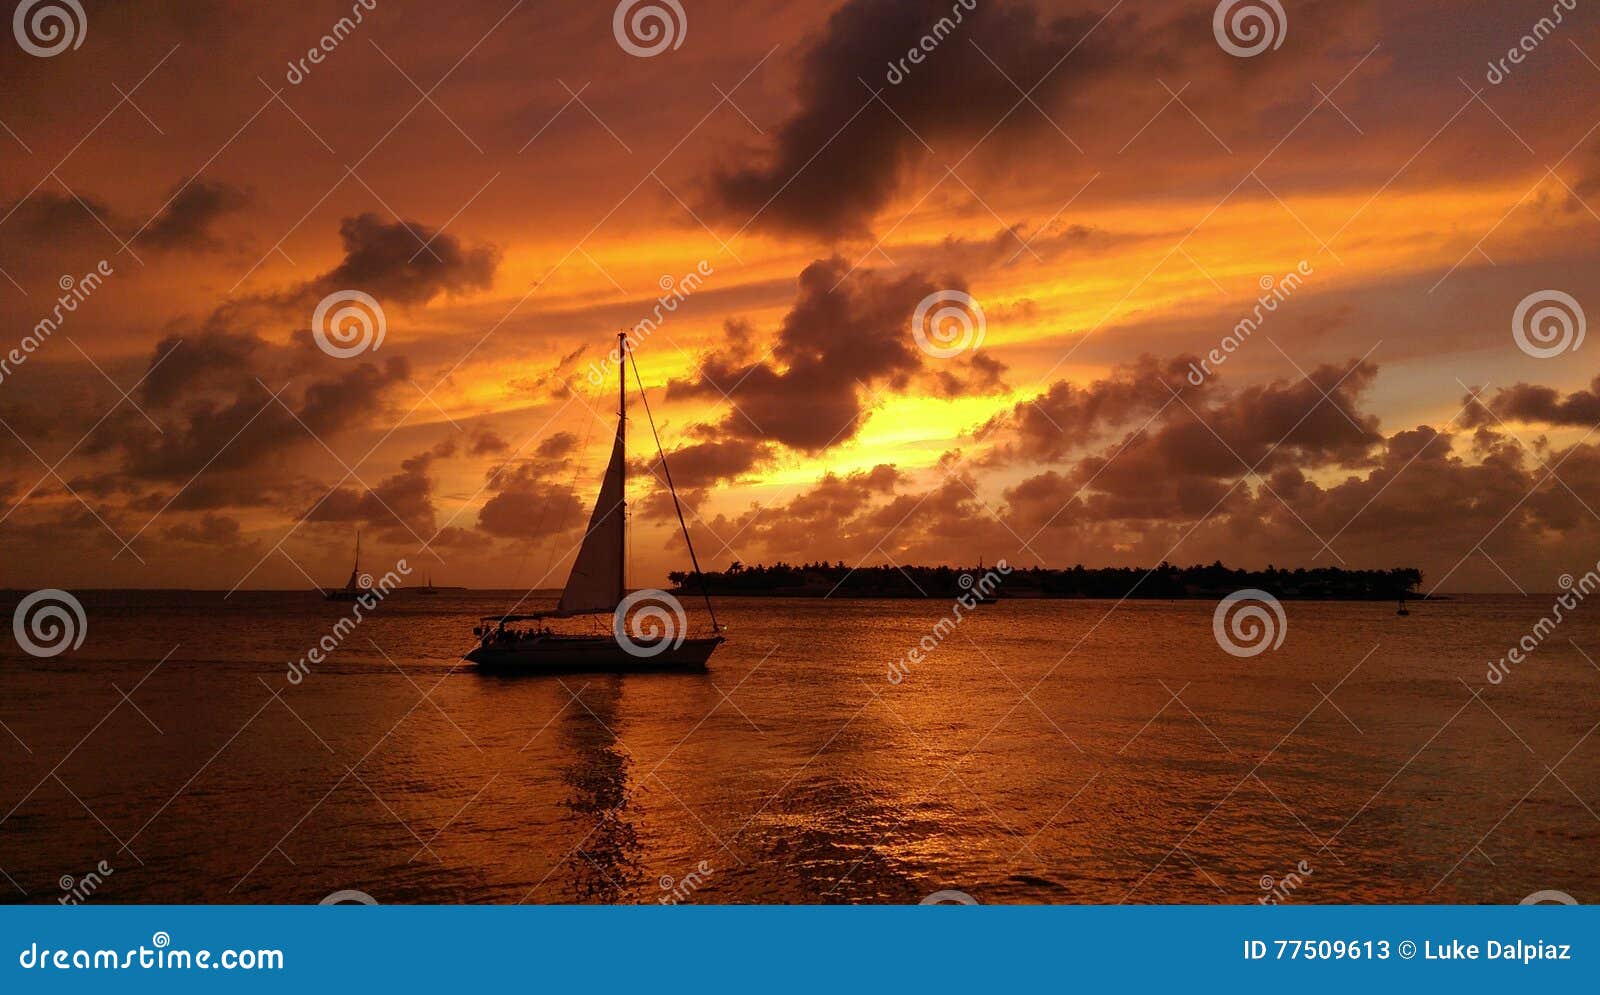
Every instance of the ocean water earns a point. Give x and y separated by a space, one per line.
1041 751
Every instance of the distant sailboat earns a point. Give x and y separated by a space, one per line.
596 586
980 595
428 588
352 588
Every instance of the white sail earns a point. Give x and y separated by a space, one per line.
595 584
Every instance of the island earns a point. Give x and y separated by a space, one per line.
837 580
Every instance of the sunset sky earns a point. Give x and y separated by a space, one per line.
1110 184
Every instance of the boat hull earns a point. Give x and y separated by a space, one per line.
555 654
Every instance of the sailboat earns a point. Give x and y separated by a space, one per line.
597 586
352 588
428 588
976 590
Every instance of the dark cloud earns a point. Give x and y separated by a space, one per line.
210 394
1188 460
488 442
556 445
47 222
847 333
1070 416
199 362
841 156
838 512
209 530
46 218
1535 404
186 221
389 262
532 498
402 503
530 510
702 464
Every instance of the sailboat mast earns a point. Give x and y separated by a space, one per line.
622 442
705 589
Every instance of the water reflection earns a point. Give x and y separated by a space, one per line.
605 866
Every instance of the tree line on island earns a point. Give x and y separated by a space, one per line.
786 580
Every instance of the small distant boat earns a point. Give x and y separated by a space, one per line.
981 596
1403 610
428 588
597 586
352 588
